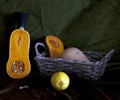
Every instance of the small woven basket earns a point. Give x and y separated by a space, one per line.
92 70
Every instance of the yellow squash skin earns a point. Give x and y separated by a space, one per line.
18 65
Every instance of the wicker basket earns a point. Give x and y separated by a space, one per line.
92 70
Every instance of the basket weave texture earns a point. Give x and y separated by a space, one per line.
92 70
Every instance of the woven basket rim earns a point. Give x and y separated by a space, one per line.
105 58
68 60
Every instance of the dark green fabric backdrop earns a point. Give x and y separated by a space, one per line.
87 24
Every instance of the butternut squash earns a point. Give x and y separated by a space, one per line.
55 46
74 54
18 65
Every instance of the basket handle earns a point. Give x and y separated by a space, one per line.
43 54
107 57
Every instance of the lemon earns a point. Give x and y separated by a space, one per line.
60 80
